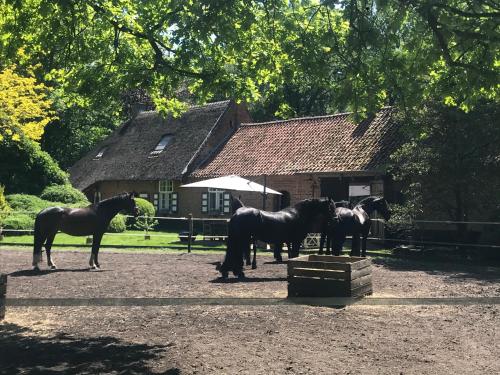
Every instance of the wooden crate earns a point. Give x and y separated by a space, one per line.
3 291
329 276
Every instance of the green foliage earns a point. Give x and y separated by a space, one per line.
24 102
25 202
65 194
19 221
449 165
4 206
291 57
117 225
146 211
32 205
25 168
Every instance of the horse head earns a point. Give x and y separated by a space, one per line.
130 205
380 204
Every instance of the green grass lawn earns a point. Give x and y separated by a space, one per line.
125 239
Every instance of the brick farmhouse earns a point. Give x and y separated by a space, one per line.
302 158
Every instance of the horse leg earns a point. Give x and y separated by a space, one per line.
322 243
277 252
48 247
329 244
39 239
355 251
254 261
246 253
96 242
295 249
238 260
338 243
363 245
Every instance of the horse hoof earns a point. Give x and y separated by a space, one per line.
36 269
254 266
53 267
241 275
224 275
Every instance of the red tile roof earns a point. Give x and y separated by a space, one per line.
306 145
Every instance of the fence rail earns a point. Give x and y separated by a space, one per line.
486 234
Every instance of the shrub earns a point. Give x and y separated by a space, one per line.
19 222
24 167
26 202
4 206
147 211
117 225
64 193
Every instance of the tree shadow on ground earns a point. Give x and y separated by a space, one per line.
458 271
25 352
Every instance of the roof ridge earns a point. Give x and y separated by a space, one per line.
295 119
220 102
306 118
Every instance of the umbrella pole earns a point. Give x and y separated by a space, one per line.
264 194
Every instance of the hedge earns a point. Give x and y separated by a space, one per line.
64 193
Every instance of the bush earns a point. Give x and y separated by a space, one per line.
4 206
24 167
19 222
26 202
64 194
117 225
146 209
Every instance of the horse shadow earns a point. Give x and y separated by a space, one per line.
28 353
233 280
32 272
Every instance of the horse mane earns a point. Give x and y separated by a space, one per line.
308 201
111 200
369 199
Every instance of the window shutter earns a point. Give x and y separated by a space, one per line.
155 201
204 202
173 203
226 204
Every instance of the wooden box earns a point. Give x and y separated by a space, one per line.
3 291
329 276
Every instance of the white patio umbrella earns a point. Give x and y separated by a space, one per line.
233 182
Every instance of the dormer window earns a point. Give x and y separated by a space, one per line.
100 153
164 142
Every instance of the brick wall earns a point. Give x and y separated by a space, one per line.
302 186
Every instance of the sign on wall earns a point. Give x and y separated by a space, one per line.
359 190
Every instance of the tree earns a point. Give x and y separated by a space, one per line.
450 167
25 104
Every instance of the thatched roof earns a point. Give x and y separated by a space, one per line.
326 144
127 151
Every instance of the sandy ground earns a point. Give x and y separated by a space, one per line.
288 339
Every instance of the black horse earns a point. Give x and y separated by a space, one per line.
91 220
288 225
355 222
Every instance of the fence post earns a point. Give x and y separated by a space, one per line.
190 235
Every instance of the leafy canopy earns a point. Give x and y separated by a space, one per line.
24 106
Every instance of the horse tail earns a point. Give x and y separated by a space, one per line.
233 260
46 221
37 241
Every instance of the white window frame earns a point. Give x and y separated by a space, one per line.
216 202
167 198
162 144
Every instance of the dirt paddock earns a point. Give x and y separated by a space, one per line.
288 339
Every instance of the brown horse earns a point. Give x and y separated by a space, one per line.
92 220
